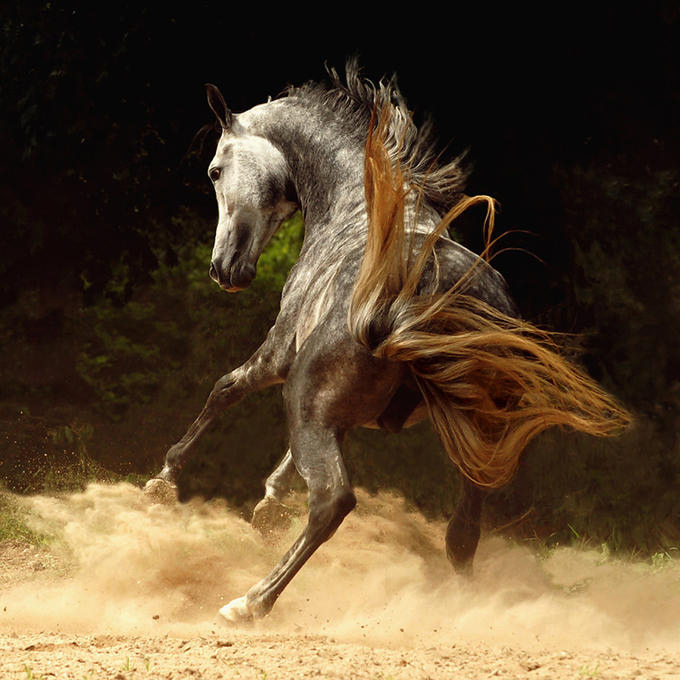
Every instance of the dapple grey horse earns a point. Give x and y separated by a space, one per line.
307 150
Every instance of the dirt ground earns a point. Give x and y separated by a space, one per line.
131 590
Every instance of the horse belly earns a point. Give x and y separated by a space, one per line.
417 416
406 408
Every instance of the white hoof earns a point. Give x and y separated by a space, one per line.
237 611
160 491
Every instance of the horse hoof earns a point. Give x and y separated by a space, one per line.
237 611
271 515
464 570
159 491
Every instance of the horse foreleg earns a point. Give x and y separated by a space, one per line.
270 512
464 528
317 456
257 373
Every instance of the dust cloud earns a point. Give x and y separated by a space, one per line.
128 566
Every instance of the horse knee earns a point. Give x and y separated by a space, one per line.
326 515
221 389
345 503
339 505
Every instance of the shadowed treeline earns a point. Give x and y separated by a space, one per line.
112 333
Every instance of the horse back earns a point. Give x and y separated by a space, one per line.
457 264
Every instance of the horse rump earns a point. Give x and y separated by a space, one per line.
491 382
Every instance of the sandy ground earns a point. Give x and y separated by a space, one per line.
131 590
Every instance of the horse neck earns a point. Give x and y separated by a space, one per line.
325 161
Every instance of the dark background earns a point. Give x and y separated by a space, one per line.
570 116
100 105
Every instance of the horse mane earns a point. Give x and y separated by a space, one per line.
490 382
413 148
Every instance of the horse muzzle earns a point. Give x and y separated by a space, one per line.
233 278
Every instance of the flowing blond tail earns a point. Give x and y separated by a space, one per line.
491 382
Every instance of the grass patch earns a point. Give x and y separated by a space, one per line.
14 521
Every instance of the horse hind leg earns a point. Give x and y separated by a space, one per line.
464 528
271 513
316 454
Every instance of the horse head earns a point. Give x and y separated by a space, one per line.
254 196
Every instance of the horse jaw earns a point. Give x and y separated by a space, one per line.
239 242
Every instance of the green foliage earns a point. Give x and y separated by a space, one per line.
130 350
624 291
412 462
133 366
281 254
118 362
624 278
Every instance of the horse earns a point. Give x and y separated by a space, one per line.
384 319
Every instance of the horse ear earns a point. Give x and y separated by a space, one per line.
217 104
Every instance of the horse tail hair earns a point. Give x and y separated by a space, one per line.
490 382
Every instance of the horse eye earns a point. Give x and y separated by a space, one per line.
214 174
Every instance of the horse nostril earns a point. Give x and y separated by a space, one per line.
213 272
242 276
